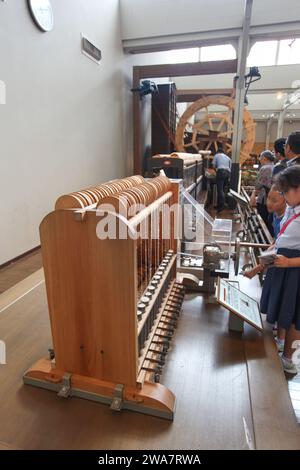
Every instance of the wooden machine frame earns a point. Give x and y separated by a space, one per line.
104 346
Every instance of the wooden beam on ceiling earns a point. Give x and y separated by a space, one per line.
189 96
188 69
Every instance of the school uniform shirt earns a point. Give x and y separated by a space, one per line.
280 166
276 224
294 161
290 238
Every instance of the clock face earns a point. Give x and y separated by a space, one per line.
41 11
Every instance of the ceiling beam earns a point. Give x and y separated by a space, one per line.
184 95
189 96
187 70
274 31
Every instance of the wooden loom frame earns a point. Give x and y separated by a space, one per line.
92 302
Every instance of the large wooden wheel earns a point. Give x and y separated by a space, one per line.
213 127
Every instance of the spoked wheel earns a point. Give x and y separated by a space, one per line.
213 128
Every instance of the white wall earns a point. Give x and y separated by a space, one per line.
61 128
261 127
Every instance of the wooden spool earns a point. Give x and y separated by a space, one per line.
93 195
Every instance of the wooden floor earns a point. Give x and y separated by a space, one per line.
223 383
17 271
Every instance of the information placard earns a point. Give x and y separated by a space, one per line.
231 297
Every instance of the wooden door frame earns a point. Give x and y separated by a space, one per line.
169 70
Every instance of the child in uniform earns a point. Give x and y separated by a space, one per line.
280 298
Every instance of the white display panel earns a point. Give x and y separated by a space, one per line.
239 303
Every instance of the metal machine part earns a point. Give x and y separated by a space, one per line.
212 256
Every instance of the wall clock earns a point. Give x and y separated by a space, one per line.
42 14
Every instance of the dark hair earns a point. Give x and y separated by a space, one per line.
288 178
293 141
220 148
279 145
267 154
275 186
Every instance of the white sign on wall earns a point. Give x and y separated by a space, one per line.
2 92
2 353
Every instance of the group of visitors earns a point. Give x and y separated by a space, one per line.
277 198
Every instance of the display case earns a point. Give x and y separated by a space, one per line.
205 246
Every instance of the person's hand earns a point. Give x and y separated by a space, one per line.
250 273
253 202
282 262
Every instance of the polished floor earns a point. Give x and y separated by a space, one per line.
230 389
18 270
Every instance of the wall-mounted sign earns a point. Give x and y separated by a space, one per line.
2 92
90 50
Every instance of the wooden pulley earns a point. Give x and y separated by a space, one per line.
141 195
120 204
98 192
93 194
136 179
69 201
83 199
86 196
154 187
103 191
148 193
127 184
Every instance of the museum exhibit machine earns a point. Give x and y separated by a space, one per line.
205 247
114 300
188 167
254 234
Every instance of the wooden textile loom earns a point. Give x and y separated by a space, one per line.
113 302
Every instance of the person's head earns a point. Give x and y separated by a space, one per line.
220 148
275 202
288 182
266 157
279 146
292 145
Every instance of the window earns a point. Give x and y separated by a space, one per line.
262 53
180 56
289 52
223 52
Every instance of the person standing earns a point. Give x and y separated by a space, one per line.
276 206
222 165
262 186
279 151
292 149
280 298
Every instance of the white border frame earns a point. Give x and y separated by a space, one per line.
229 307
